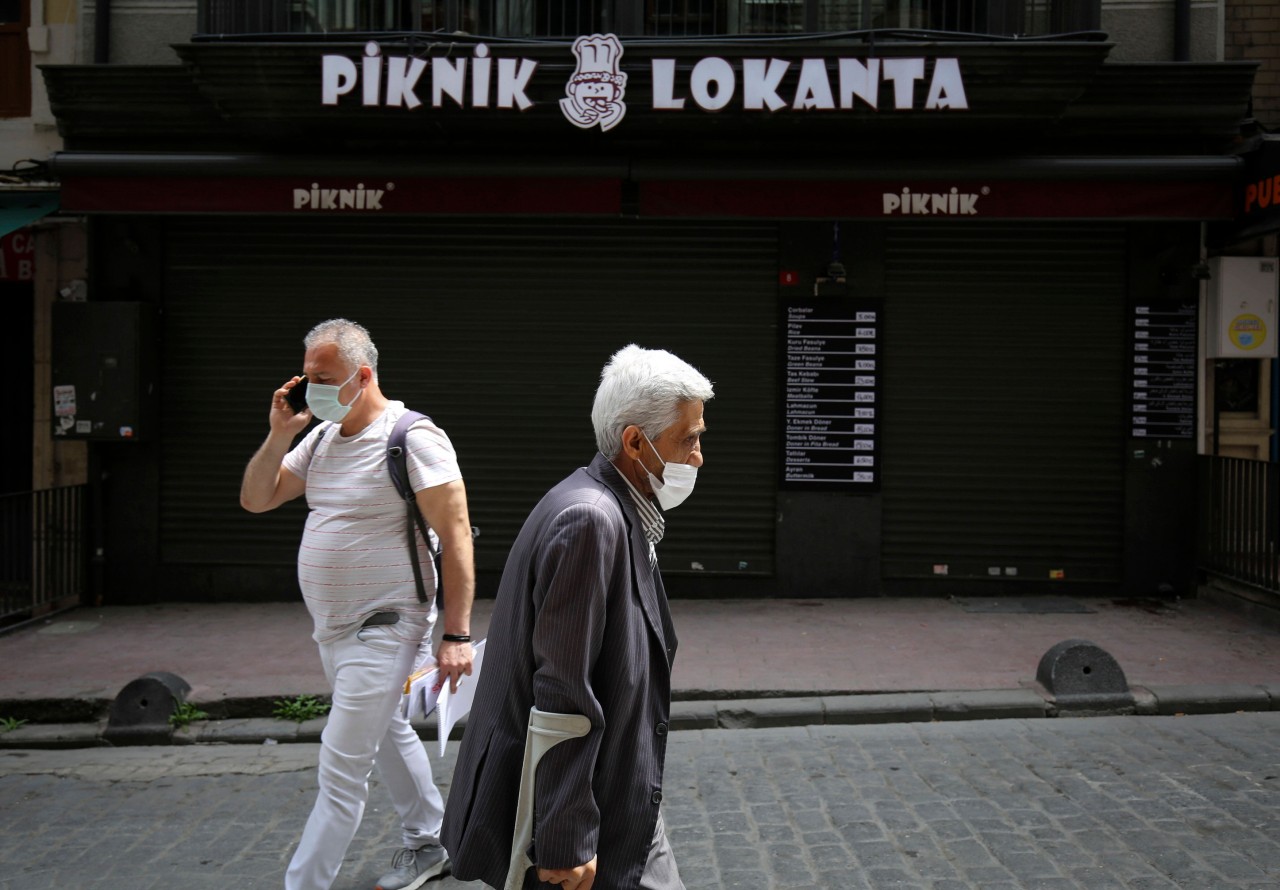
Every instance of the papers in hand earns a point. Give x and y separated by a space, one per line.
424 694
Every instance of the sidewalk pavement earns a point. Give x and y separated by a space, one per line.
741 663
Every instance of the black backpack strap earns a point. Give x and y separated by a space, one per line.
397 458
398 467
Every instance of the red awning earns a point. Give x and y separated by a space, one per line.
1173 188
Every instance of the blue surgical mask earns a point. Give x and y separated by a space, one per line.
322 399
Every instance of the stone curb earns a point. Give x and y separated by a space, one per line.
1213 699
900 707
872 708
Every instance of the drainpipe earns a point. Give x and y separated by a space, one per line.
1275 407
101 32
1182 30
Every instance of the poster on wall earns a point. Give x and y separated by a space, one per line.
18 256
1163 403
831 365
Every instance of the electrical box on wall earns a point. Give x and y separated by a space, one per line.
1242 307
103 361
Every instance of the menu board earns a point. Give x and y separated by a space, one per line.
1164 370
831 410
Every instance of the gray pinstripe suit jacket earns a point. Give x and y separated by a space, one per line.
580 625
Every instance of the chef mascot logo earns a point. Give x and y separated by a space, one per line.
595 91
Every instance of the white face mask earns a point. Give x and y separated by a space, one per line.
676 483
322 399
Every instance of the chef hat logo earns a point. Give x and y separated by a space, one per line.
598 56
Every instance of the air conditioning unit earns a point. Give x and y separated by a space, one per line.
1242 307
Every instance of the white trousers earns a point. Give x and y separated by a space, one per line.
367 669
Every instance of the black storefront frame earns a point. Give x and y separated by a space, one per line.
850 566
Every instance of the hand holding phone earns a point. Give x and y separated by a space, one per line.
297 396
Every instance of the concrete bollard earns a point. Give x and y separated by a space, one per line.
1084 680
140 713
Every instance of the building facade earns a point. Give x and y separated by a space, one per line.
945 263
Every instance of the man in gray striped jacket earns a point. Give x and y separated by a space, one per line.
581 626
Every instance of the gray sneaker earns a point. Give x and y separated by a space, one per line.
413 868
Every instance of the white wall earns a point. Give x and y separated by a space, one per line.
52 39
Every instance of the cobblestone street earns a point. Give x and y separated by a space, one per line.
1114 802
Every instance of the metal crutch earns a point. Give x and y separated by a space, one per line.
546 730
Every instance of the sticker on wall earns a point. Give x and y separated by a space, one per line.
596 88
64 401
84 427
1247 331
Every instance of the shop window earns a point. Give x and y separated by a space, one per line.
678 18
1239 413
1236 385
1003 17
522 18
675 18
15 59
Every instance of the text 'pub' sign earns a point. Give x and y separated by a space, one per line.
831 411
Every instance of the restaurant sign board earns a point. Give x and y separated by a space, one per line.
18 256
367 194
595 94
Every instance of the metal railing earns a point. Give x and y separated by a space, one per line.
662 18
42 552
1240 520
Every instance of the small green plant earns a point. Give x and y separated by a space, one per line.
9 724
301 708
184 713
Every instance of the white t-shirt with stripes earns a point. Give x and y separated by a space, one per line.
353 560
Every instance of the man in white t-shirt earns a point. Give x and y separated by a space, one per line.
357 579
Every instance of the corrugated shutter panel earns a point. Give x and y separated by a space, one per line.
498 330
1004 401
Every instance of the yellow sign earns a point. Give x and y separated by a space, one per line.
1247 331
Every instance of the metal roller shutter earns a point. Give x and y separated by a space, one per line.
1004 402
497 329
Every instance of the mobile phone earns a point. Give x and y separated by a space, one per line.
297 397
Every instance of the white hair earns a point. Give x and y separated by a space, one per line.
645 387
355 346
